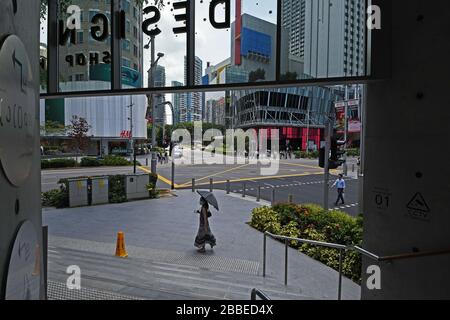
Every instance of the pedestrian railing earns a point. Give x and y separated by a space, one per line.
258 293
342 249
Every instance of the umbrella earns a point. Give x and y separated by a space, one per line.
210 198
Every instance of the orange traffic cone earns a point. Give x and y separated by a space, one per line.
120 247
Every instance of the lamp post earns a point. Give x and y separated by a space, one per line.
153 64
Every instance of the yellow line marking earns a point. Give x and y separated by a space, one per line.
218 173
261 178
301 165
160 177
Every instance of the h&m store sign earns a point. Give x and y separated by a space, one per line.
99 29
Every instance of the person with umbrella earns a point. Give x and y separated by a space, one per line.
204 234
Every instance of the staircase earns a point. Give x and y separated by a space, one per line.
190 276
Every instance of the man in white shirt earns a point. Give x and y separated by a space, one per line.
340 183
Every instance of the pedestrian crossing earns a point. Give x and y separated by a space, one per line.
279 186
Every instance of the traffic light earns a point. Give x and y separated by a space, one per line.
337 152
322 157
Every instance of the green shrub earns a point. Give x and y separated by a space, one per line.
58 198
153 192
353 152
306 155
58 163
117 189
312 222
153 178
266 219
90 162
114 161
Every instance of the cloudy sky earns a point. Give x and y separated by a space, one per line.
212 45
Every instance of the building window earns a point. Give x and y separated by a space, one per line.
80 37
126 62
126 45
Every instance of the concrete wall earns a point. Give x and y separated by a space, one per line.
407 152
25 24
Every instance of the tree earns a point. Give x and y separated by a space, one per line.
78 130
258 74
289 76
53 128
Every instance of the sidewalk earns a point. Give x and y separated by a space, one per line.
160 234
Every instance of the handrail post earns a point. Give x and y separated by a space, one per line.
264 254
286 262
340 274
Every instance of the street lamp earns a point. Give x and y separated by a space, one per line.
153 63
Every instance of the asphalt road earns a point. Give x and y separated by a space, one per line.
300 178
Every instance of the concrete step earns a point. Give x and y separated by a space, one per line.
160 280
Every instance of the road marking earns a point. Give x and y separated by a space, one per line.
160 177
218 173
344 207
257 179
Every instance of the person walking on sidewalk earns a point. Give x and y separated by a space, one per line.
204 234
340 183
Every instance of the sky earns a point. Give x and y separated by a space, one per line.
212 45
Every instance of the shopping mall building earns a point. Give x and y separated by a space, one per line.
84 65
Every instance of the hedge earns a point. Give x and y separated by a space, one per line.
108 161
58 163
314 223
305 155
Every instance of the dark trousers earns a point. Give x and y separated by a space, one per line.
340 196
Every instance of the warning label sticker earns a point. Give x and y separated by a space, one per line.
418 207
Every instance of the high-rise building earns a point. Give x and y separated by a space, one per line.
176 101
159 77
335 38
85 64
192 103
293 20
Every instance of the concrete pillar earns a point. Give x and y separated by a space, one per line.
20 198
406 185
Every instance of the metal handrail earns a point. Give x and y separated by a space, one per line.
258 293
399 256
342 249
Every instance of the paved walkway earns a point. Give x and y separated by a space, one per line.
163 264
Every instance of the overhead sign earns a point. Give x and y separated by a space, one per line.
17 111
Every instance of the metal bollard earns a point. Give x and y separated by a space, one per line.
172 186
290 198
211 185
244 187
286 252
273 196
193 184
228 186
258 195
